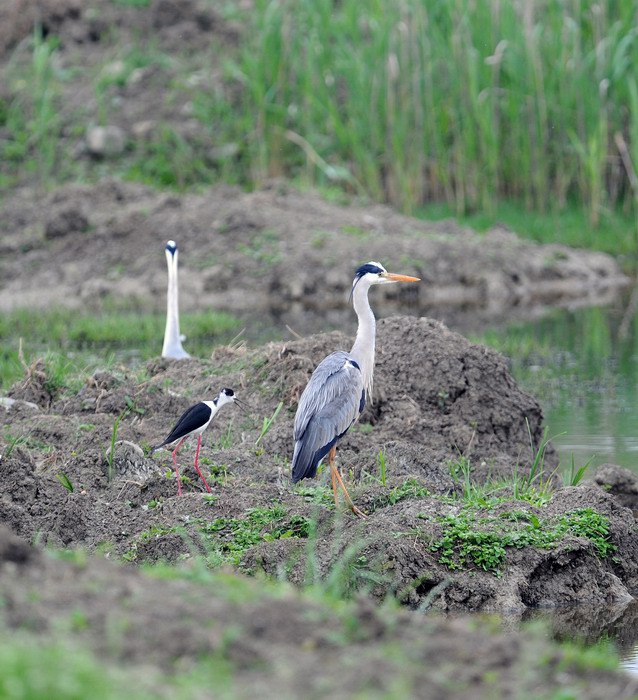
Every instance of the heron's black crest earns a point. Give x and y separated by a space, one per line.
368 267
371 267
228 392
171 247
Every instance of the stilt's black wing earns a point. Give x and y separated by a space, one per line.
195 417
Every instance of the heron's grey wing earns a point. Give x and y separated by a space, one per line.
330 404
327 381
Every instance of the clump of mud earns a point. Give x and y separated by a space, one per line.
439 401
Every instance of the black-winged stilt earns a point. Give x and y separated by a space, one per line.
193 422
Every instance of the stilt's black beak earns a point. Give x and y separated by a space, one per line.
242 405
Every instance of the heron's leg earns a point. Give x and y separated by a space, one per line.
337 475
331 458
179 483
199 444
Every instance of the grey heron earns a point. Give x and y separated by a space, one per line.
338 389
193 422
172 340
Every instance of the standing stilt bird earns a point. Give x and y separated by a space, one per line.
172 339
338 388
193 422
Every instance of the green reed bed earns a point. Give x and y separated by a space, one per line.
462 101
471 104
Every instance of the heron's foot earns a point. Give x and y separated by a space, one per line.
357 512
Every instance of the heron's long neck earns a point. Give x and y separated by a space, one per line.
363 348
172 339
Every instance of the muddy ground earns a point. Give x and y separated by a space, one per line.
437 396
281 254
275 253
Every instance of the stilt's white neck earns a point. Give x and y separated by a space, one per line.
363 348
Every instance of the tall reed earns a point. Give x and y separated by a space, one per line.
467 102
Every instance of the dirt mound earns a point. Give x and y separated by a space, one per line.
173 24
439 401
276 251
621 483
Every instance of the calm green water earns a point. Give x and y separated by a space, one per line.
584 372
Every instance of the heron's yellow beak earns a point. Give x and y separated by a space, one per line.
393 277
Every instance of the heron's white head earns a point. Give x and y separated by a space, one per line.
374 273
171 254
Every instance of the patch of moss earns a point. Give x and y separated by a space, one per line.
234 536
470 540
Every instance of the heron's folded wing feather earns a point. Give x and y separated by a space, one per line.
332 408
330 379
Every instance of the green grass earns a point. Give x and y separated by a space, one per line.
616 234
234 536
472 539
485 110
226 539
36 666
75 343
410 488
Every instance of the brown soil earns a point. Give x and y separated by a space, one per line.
138 514
436 397
275 252
286 253
283 646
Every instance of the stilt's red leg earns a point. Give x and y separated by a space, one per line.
336 475
179 483
199 444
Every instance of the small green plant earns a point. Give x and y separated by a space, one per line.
319 495
225 440
534 485
132 406
576 475
383 472
13 442
410 488
65 481
476 493
267 423
111 453
234 536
